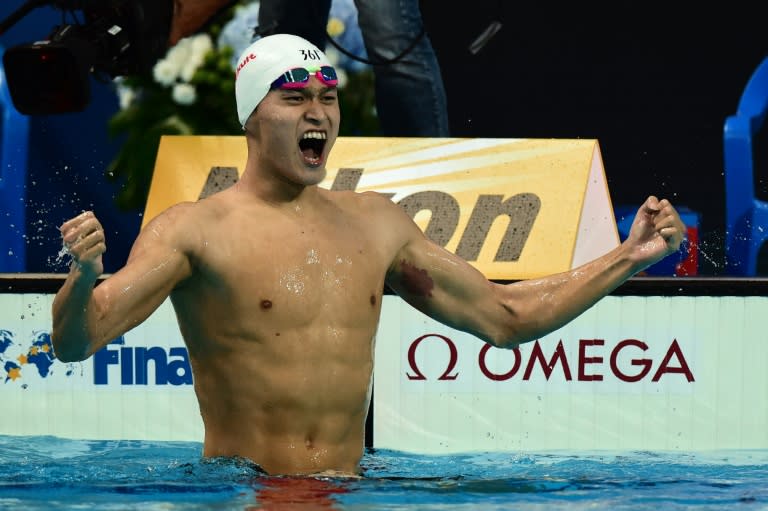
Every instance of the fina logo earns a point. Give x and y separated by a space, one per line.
171 367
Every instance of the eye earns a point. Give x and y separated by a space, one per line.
293 97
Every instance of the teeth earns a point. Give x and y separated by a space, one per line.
319 135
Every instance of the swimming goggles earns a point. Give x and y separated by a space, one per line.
298 78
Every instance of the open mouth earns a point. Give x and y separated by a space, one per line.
311 146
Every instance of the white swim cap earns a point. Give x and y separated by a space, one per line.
264 61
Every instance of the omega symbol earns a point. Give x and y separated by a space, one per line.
451 362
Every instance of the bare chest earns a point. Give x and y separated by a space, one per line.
297 273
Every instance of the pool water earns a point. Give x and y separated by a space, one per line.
47 473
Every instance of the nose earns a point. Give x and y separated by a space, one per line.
315 111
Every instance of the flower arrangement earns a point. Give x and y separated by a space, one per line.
190 91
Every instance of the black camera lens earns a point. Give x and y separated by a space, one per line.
46 79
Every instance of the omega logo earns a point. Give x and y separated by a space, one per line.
451 362
673 362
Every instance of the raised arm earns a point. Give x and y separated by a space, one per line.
450 290
85 318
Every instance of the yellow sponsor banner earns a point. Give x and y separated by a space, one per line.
514 208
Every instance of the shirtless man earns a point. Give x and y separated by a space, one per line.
281 280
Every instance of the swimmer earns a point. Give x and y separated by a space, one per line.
277 283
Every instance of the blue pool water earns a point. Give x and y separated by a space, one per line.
45 473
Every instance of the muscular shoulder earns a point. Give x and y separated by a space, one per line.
373 208
381 218
391 213
182 225
192 216
370 204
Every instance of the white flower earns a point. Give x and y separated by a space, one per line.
125 94
199 46
182 60
179 53
167 69
165 72
201 43
184 93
